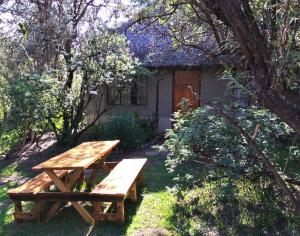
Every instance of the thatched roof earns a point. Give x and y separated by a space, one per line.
155 49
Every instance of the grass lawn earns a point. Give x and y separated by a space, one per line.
154 209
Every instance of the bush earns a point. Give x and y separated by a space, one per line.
201 136
220 182
129 129
9 139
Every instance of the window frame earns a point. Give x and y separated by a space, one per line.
131 93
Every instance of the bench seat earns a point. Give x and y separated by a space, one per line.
36 184
121 178
119 184
30 190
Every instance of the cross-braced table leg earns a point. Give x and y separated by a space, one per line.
65 187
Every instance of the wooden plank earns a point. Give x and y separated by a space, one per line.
62 187
119 216
71 179
140 178
121 178
120 212
81 156
133 193
27 215
97 207
98 165
36 184
110 165
37 206
18 208
69 196
106 217
52 211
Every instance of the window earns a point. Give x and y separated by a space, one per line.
241 98
133 93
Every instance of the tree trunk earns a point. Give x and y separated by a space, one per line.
238 16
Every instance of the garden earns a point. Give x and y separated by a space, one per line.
89 146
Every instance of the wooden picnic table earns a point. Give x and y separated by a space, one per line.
76 160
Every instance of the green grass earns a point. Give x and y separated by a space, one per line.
8 170
153 210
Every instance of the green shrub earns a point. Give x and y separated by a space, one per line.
8 139
201 136
220 183
129 129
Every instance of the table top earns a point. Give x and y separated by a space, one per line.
78 157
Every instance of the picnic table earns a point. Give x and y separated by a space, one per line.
68 168
77 159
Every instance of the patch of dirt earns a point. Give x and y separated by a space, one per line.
153 232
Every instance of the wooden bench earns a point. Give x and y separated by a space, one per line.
117 186
29 190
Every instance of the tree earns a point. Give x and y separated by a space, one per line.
261 38
70 45
257 41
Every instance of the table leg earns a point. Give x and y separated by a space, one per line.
69 181
97 166
72 178
63 188
53 209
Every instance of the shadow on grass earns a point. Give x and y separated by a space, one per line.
69 222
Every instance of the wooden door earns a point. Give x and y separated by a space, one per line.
186 84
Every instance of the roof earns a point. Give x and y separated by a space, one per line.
155 48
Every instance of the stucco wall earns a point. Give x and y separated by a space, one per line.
210 89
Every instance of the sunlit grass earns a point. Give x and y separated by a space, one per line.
154 212
8 170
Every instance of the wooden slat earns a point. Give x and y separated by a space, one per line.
121 178
53 210
36 184
68 196
81 156
109 164
106 217
27 215
186 85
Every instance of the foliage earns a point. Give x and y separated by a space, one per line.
231 189
258 39
202 135
129 128
9 139
32 101
61 56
